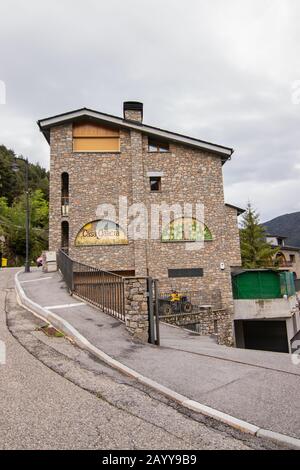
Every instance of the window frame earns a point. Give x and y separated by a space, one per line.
207 235
159 146
158 178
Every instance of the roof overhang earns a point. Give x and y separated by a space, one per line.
239 210
46 124
272 235
287 248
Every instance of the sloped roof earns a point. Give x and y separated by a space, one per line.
239 209
46 124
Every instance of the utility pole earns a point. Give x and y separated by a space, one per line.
15 167
27 262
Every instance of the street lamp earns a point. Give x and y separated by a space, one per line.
15 168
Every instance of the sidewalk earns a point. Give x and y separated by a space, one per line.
260 387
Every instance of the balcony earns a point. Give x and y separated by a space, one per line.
285 264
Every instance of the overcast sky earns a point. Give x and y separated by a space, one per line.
218 70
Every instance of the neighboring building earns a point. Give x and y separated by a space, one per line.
266 310
288 257
287 225
96 157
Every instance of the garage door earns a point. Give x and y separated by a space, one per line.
266 335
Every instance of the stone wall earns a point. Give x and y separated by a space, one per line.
136 307
94 179
188 176
207 322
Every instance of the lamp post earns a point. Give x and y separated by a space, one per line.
16 168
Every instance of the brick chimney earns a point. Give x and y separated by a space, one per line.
133 111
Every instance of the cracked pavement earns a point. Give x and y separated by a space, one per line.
57 396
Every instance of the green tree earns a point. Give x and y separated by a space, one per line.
12 207
256 252
12 182
12 226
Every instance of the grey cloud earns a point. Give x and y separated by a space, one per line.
220 71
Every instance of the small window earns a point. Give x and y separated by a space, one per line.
155 146
155 183
185 272
292 258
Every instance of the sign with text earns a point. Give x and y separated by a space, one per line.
101 232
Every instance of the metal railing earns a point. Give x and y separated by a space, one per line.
101 288
285 264
153 311
65 264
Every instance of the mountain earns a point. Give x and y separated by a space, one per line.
287 225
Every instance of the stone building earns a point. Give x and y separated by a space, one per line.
95 158
287 257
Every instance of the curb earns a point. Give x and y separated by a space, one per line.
46 315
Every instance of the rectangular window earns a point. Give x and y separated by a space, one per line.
155 183
155 146
292 258
92 137
186 272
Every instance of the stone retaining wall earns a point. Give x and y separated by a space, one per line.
136 307
209 322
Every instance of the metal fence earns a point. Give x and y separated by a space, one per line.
153 311
101 288
65 264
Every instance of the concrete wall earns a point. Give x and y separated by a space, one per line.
255 309
271 309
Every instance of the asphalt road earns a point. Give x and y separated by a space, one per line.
55 396
260 387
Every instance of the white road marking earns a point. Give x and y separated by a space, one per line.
35 280
53 307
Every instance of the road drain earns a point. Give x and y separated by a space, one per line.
51 331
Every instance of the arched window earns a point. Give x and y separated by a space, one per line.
186 229
65 194
65 236
280 259
101 232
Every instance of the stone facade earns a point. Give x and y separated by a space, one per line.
189 175
136 307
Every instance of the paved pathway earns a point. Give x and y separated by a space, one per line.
260 387
42 408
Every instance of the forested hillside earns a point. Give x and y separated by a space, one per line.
12 207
